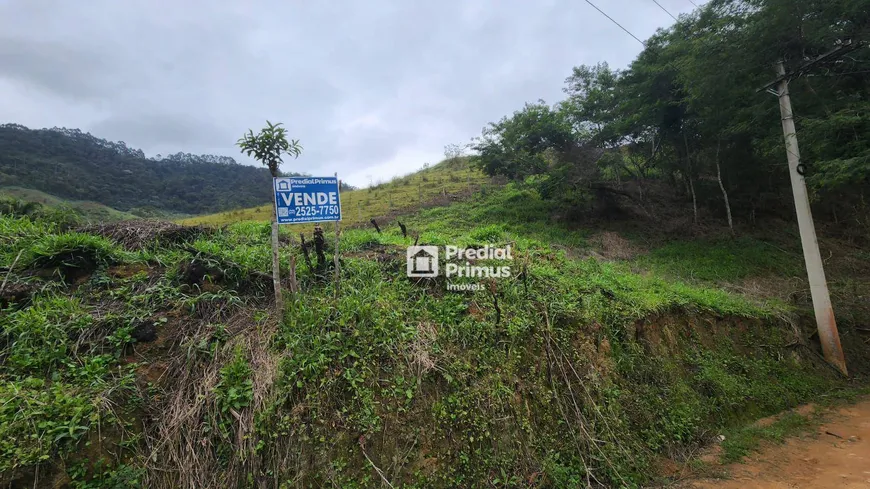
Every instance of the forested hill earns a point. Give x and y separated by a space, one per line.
687 114
71 164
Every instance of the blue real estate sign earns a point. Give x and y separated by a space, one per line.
307 199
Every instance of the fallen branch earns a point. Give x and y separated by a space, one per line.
379 471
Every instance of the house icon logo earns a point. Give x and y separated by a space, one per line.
422 261
283 185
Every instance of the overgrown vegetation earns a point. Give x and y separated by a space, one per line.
686 114
144 354
161 365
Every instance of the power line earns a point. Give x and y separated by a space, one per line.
839 51
693 3
666 10
617 23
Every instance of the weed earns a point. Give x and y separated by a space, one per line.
235 389
740 443
103 475
39 417
40 335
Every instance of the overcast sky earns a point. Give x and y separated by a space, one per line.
371 88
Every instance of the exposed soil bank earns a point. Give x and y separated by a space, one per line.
835 455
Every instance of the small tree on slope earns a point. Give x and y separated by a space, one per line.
268 147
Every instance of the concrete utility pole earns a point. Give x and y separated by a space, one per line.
825 321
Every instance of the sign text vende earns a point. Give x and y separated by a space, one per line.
307 199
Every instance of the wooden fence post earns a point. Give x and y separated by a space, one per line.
335 255
276 262
294 284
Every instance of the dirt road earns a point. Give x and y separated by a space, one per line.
815 460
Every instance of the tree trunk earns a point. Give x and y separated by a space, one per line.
694 200
691 182
722 187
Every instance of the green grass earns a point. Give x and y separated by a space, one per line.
742 440
358 206
90 211
70 249
39 418
740 443
571 369
721 260
514 211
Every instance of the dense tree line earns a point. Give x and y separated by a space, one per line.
71 164
688 112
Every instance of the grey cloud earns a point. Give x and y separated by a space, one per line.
383 84
59 69
162 130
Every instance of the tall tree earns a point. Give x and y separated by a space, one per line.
687 111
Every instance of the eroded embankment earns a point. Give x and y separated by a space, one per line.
164 368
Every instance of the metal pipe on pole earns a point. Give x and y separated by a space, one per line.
824 312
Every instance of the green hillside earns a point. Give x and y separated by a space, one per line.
598 357
651 303
77 166
89 210
447 181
